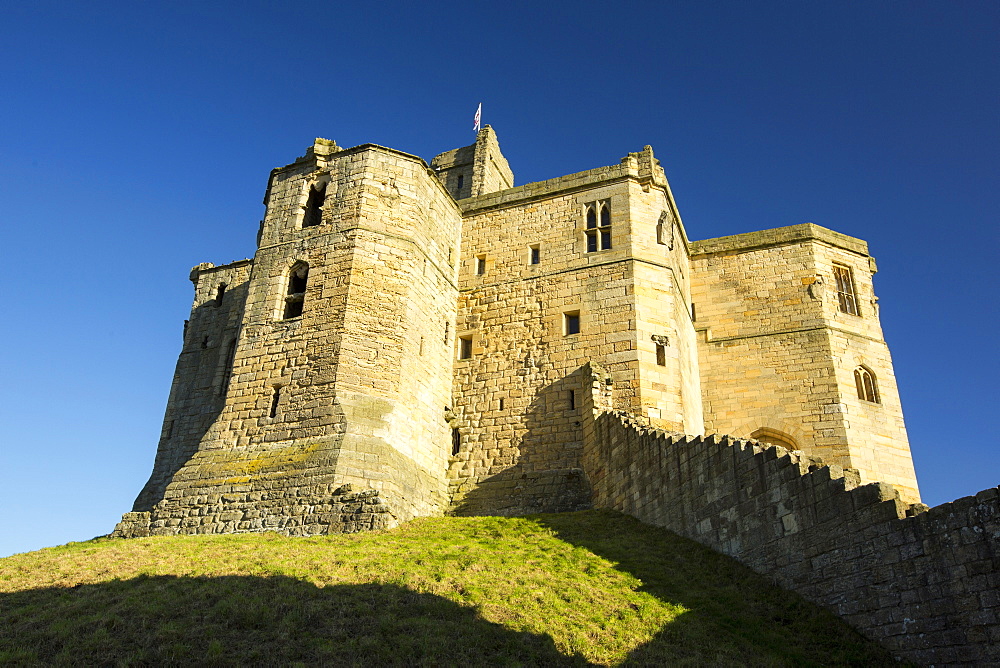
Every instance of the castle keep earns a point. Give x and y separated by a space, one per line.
419 333
414 339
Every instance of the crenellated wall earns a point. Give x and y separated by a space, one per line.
924 583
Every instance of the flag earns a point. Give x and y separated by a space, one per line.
479 115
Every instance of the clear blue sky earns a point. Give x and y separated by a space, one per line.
136 140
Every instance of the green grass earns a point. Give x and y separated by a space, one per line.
568 589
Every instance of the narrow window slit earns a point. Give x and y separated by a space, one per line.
275 399
227 369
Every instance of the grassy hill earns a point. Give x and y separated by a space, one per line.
570 589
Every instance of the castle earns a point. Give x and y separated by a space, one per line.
414 339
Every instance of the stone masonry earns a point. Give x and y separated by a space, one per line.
414 339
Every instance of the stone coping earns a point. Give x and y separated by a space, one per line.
778 236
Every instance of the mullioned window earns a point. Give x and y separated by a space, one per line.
847 296
864 378
597 217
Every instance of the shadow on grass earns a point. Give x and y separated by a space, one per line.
240 620
735 616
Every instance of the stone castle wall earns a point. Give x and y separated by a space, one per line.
922 583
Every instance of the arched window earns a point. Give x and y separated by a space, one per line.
296 294
775 437
314 205
867 387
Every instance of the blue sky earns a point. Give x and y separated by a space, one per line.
136 140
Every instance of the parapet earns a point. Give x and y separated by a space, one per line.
778 236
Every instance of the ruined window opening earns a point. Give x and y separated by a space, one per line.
456 441
464 347
572 400
846 294
571 323
275 399
204 342
536 255
661 354
296 293
219 294
314 205
598 222
864 378
480 265
693 316
501 404
458 186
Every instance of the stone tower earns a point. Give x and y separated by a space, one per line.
323 361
